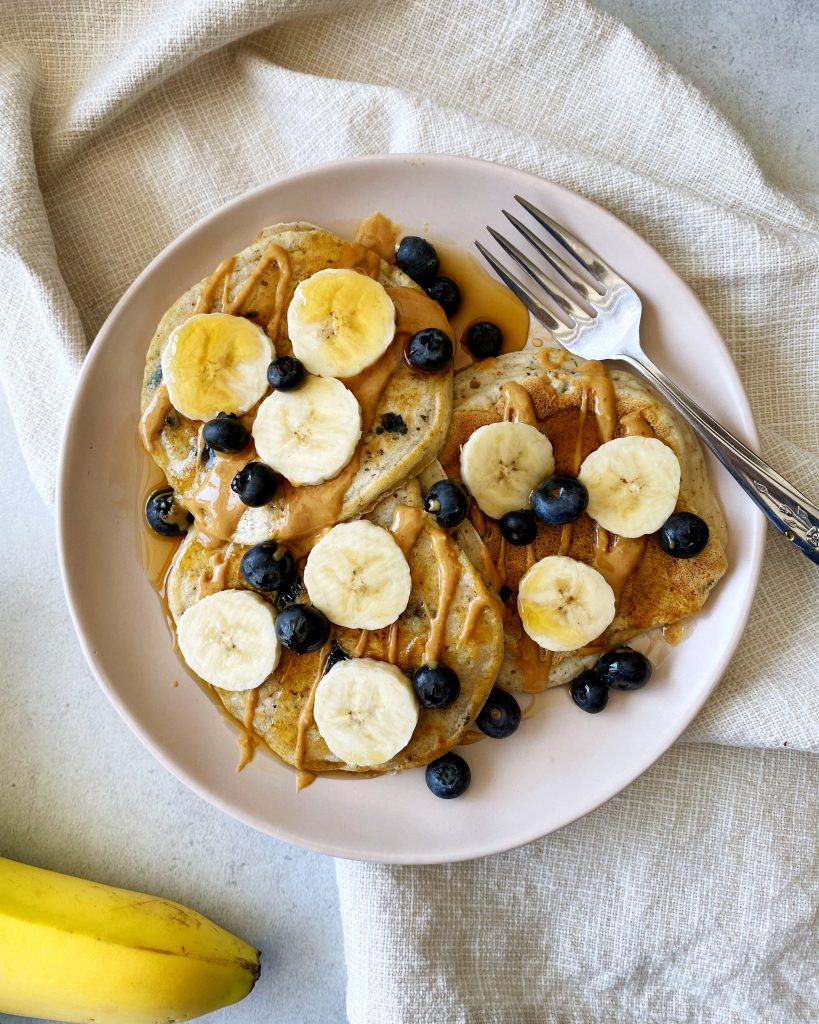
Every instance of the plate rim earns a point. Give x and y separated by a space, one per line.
343 849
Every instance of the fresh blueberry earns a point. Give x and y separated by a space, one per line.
226 433
337 654
430 350
484 340
448 502
436 686
448 776
519 527
624 669
255 484
289 592
559 499
589 692
504 593
446 293
285 373
683 535
302 628
416 257
268 566
165 516
500 715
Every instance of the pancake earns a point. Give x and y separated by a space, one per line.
405 413
579 405
471 641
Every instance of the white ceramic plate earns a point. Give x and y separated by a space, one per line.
561 763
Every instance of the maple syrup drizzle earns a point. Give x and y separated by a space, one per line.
392 646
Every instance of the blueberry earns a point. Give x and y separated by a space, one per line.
448 776
683 535
624 669
289 592
448 502
285 373
429 349
504 593
226 434
500 715
268 566
559 499
255 484
165 516
589 692
519 527
484 340
436 686
302 628
416 257
446 293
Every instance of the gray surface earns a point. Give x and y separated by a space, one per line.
756 60
77 791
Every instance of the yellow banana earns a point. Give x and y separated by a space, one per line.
73 950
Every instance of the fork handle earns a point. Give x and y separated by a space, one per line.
786 509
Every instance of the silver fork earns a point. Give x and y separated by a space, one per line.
596 315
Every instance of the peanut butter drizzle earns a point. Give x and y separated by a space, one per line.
635 424
220 276
535 664
449 574
213 579
217 509
478 519
379 234
392 646
490 572
517 404
306 716
151 421
596 378
359 257
407 523
272 254
617 560
500 565
415 310
567 529
247 739
477 606
363 640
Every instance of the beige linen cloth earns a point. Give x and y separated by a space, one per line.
692 896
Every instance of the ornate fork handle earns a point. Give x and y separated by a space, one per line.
788 510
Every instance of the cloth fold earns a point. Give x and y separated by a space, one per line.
126 123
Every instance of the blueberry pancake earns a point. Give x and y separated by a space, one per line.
340 697
277 397
579 480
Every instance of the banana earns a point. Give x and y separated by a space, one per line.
229 639
502 463
73 950
365 710
633 483
340 322
564 604
310 434
215 362
358 576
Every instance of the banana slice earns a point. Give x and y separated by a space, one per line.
502 463
229 639
633 483
358 576
564 604
365 710
310 434
340 322
215 362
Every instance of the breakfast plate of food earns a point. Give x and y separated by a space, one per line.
366 522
